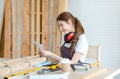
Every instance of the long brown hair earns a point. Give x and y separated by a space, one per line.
65 16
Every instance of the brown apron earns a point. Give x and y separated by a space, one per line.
65 52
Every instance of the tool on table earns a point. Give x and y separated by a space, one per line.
80 64
53 67
22 73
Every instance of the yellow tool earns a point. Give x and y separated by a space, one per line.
52 66
22 72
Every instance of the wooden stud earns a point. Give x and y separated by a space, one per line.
51 24
32 26
19 29
58 38
45 23
7 42
14 29
66 5
26 44
57 29
38 21
62 8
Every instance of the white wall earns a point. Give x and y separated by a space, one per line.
1 10
101 20
1 15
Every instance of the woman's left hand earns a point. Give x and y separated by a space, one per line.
44 53
47 53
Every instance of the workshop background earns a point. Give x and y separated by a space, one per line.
100 18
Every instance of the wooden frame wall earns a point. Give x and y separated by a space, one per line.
55 36
26 21
23 25
7 34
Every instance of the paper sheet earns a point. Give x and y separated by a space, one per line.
40 46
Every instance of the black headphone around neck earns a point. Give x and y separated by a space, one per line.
68 37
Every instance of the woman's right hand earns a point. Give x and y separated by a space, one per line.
40 54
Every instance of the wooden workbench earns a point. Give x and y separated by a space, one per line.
94 73
99 73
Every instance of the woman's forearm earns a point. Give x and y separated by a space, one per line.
76 57
57 57
52 55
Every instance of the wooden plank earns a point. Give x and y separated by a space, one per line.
57 29
57 7
93 74
62 6
19 29
14 61
2 64
19 66
66 5
38 22
26 43
58 35
31 57
14 29
45 23
51 24
55 25
5 70
35 61
32 26
7 43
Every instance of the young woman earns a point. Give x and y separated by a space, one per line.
75 43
